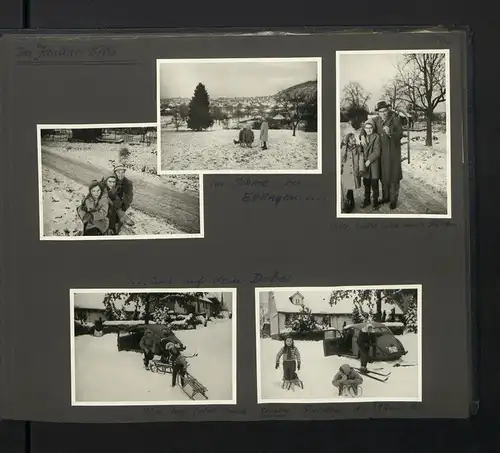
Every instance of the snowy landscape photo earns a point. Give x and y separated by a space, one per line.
101 182
393 134
160 347
239 115
339 344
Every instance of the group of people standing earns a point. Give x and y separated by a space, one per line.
246 136
372 155
103 211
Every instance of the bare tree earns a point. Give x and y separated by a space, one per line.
354 95
393 94
295 105
180 116
422 79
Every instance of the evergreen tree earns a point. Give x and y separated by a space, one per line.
356 315
305 321
411 317
199 116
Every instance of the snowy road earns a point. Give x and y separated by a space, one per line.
182 209
104 375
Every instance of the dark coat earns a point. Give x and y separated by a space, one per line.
390 159
148 342
366 340
125 192
372 153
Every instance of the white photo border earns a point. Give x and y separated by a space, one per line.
234 317
333 399
316 171
340 214
43 237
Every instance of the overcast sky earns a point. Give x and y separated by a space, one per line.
236 79
372 71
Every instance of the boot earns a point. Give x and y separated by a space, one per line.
392 205
375 205
235 141
366 203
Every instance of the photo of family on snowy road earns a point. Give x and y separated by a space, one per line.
239 115
393 152
159 347
100 182
339 344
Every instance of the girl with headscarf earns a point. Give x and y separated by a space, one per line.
352 160
93 211
109 187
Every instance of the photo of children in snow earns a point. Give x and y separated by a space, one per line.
153 347
239 115
332 344
394 154
103 182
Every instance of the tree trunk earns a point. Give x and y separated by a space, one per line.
378 315
146 311
428 138
294 125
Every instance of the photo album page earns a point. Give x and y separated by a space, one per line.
235 226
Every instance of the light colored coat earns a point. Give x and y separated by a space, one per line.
94 214
264 131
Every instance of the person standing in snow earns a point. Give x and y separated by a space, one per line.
108 186
179 363
124 194
347 377
291 360
148 346
366 343
352 159
98 328
371 173
264 134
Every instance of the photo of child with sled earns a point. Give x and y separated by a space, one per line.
347 378
245 137
291 362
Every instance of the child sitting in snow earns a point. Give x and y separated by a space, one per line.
291 360
245 137
347 377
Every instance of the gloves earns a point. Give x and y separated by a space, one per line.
277 365
298 366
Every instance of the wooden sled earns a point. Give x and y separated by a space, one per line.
348 390
192 386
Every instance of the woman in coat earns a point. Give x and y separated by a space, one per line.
371 174
93 211
264 134
352 160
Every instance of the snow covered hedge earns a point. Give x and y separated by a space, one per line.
316 335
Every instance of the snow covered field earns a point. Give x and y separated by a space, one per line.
318 371
105 376
214 150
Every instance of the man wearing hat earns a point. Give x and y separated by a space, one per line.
389 127
125 193
366 344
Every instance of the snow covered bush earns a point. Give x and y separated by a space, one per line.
411 317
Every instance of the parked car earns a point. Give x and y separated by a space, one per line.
128 339
345 342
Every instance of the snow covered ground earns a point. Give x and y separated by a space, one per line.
318 371
62 195
214 150
104 375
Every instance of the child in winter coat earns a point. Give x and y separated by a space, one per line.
352 160
179 363
93 211
291 360
148 346
347 377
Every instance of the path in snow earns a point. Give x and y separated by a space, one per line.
215 150
318 371
182 209
104 375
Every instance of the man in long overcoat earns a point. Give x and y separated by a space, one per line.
388 126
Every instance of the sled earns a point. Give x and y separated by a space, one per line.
290 385
157 366
196 388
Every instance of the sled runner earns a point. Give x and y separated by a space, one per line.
192 383
290 385
159 366
349 390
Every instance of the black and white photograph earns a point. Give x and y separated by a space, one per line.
393 134
241 115
339 344
101 182
153 347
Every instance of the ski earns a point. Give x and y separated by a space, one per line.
378 373
371 375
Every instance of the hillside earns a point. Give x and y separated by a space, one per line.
307 89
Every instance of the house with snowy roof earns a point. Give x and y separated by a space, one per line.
285 306
89 307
